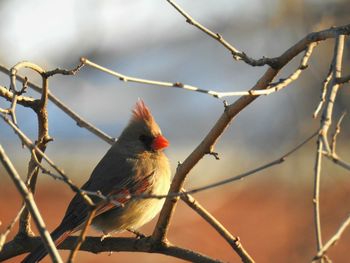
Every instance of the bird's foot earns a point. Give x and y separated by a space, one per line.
138 234
104 236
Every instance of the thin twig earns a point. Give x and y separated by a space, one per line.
237 55
78 119
30 204
222 123
22 100
333 240
43 135
292 77
222 182
43 132
61 71
26 141
180 85
82 236
322 140
233 241
336 132
324 92
217 94
337 160
316 203
4 235
343 80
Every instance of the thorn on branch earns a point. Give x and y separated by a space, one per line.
178 165
178 84
235 55
219 36
225 104
189 21
24 87
73 71
303 67
215 154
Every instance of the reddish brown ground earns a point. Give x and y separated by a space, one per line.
273 220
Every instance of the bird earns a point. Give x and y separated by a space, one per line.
134 165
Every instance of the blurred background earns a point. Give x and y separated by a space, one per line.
270 211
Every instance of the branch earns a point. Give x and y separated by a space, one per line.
4 235
69 72
343 80
333 240
237 55
180 85
115 244
336 132
317 176
82 236
78 119
233 241
29 200
216 94
32 147
324 92
276 62
337 160
230 112
203 148
43 136
322 140
22 100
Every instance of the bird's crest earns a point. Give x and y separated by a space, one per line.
141 112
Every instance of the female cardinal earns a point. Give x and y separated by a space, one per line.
134 165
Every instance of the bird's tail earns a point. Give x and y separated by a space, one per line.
58 235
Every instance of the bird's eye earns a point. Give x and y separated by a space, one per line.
146 140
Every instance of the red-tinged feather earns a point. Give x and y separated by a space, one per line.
141 111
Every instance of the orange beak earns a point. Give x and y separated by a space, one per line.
159 143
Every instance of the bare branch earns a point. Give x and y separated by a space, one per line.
28 199
78 119
207 144
56 71
316 203
4 235
22 100
277 62
117 244
333 240
32 147
324 92
274 87
43 135
222 123
270 89
322 140
82 236
343 80
180 85
336 132
237 55
233 241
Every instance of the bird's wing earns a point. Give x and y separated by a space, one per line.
114 176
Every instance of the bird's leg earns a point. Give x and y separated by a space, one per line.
136 233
